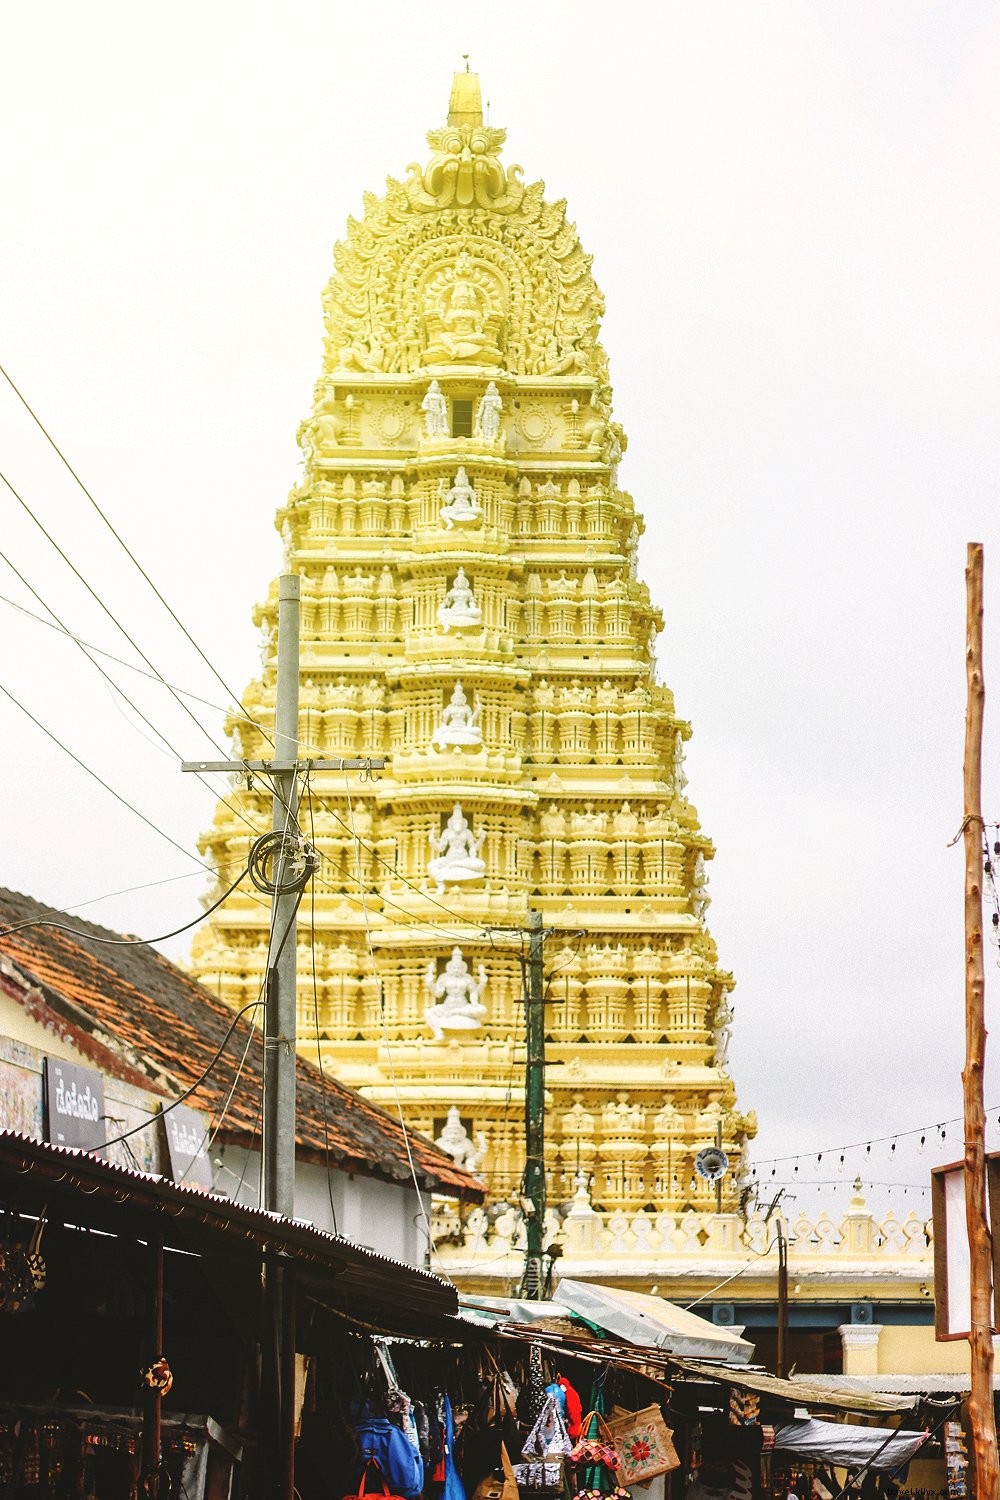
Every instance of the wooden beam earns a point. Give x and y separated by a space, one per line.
981 1410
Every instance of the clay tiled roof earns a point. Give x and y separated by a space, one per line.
141 1018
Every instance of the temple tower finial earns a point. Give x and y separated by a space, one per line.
465 107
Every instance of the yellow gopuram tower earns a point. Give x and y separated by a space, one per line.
471 610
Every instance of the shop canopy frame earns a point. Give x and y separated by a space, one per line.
82 1190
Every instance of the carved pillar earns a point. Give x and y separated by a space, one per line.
575 727
647 996
566 991
625 866
607 993
623 1155
339 1011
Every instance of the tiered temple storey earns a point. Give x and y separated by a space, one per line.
471 609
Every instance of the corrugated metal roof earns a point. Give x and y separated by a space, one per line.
118 1199
805 1392
150 1019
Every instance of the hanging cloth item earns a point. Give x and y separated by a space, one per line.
533 1395
573 1407
453 1487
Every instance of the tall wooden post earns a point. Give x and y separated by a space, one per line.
981 1411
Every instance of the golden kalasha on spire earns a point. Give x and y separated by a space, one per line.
471 609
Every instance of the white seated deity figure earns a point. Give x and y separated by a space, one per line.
488 414
458 609
460 503
459 997
435 409
456 849
459 724
454 1139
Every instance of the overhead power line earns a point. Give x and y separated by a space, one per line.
101 782
86 650
132 942
110 614
125 548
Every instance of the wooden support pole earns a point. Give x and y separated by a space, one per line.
981 1411
152 1452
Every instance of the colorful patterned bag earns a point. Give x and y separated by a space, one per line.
645 1445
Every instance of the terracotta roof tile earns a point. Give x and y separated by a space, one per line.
162 1020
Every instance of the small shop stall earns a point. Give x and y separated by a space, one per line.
139 1363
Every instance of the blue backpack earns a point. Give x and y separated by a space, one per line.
388 1445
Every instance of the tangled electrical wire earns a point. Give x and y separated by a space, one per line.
281 863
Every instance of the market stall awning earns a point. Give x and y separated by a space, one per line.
84 1190
652 1323
847 1445
797 1392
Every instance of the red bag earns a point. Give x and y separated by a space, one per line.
384 1494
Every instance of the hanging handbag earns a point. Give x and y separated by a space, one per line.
537 1475
595 1446
498 1486
596 1461
382 1442
644 1444
384 1493
548 1438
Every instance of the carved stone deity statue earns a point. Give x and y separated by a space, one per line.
459 724
457 321
454 1139
722 1031
488 414
680 775
460 503
459 997
435 409
459 609
700 899
457 852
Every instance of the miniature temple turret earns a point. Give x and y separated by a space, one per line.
472 611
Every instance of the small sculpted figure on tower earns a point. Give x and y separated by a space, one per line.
460 503
456 849
435 409
488 414
700 899
458 994
459 724
458 608
454 1139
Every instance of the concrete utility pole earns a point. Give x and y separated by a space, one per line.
286 857
981 1411
534 1112
283 865
278 1143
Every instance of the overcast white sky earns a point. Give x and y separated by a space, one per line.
793 213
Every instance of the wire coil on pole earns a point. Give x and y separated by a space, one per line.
281 863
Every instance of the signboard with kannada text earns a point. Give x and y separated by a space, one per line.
73 1105
187 1146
